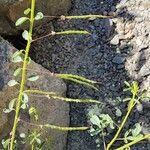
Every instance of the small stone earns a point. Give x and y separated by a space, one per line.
120 66
118 60
139 107
115 40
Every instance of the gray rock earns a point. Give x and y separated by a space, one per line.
50 111
115 40
13 9
118 60
145 69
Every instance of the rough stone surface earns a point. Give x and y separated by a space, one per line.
50 111
12 10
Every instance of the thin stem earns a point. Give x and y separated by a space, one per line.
39 92
42 37
78 17
134 142
32 146
123 122
63 33
23 76
55 127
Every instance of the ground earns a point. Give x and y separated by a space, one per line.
116 51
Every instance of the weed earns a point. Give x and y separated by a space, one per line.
22 101
132 136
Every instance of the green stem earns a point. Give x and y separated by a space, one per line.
23 76
32 146
131 105
134 142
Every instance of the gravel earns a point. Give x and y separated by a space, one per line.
97 58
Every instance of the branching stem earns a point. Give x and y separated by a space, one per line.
123 122
134 142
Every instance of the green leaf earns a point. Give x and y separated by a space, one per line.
17 53
95 120
21 21
39 16
126 136
5 143
135 88
25 98
38 141
27 11
136 131
17 72
25 35
23 106
29 60
12 83
33 78
6 111
94 132
126 99
118 112
11 104
17 59
127 83
32 111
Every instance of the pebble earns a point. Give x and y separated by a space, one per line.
118 60
115 40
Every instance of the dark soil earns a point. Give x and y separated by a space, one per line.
104 56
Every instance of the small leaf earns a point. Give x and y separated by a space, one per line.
11 104
25 98
5 143
29 60
136 131
12 83
126 99
95 120
39 16
94 132
6 111
33 78
25 35
21 20
22 135
27 11
32 111
17 59
23 106
38 141
17 53
118 112
17 72
127 83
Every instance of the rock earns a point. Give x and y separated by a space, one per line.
13 9
115 40
118 60
145 69
50 111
